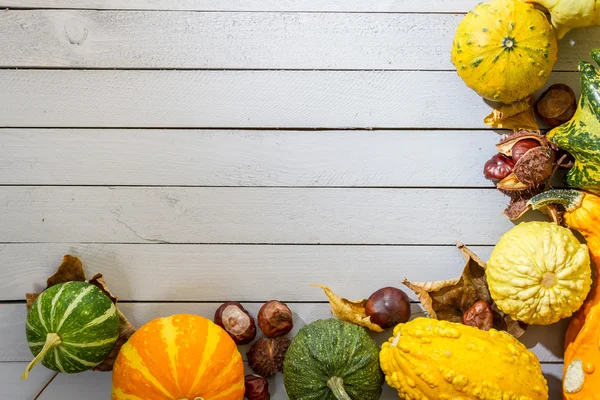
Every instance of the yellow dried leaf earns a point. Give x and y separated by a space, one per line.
30 297
349 310
98 281
516 116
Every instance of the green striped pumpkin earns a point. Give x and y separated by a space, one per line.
71 327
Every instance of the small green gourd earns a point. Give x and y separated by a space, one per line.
332 360
71 327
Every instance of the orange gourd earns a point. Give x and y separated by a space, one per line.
581 378
181 357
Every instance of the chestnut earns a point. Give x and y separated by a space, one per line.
388 307
523 146
480 316
256 388
266 356
236 321
498 167
275 319
557 105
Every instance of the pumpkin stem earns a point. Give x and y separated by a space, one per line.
52 341
570 199
336 384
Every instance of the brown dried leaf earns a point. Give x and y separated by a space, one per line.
30 297
98 281
448 300
515 116
350 310
71 269
125 332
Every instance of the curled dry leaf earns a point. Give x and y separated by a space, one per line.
71 269
515 116
98 281
350 310
125 332
30 297
449 300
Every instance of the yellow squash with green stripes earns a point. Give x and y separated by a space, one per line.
504 50
581 135
71 327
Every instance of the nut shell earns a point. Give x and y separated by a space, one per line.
256 388
236 321
275 319
266 356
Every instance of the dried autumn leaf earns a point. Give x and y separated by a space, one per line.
30 297
349 310
71 269
98 281
448 300
125 332
515 116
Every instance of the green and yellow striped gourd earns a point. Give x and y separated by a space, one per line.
71 327
581 135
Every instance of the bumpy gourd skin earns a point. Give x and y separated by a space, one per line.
427 359
539 273
504 50
569 14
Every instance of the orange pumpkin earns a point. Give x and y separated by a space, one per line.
181 357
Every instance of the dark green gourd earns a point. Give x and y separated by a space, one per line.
71 327
332 360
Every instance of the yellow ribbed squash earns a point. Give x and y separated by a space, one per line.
504 50
440 360
539 273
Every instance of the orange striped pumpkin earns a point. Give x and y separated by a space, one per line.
181 357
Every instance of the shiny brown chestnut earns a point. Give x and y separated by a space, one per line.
275 319
388 307
498 167
236 321
479 315
522 147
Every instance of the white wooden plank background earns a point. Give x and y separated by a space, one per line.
252 215
113 39
242 197
246 158
243 99
254 5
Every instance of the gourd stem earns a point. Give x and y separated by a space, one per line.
52 340
336 384
570 199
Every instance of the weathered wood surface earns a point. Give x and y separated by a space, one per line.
252 215
162 272
146 39
243 99
254 5
246 158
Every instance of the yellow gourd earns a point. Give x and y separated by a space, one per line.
504 50
570 14
539 273
440 360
